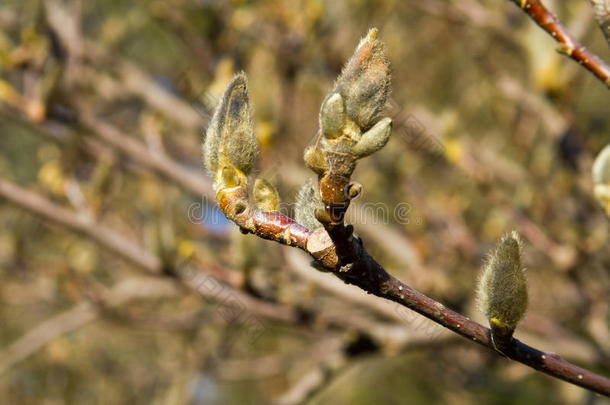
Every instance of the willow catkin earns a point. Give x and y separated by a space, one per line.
230 137
364 82
502 288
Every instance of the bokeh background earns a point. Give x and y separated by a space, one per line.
103 107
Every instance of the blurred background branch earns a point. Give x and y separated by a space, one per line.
102 110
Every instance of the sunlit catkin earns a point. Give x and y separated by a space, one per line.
502 289
230 137
364 82
373 139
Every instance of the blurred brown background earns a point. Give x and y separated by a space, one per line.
103 106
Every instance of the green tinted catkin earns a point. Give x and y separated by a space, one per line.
502 289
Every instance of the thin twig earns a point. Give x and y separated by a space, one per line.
360 269
126 249
37 338
568 45
196 280
313 382
82 224
159 163
82 314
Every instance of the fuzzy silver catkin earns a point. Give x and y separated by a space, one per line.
502 288
364 82
308 200
230 137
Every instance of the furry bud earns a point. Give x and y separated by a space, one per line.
230 137
332 115
315 159
364 82
502 289
266 197
601 178
373 139
308 201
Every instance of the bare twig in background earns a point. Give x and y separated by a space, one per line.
568 45
132 77
107 238
93 67
157 162
313 382
81 314
115 243
81 224
46 332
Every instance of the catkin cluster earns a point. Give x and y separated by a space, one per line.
351 123
351 127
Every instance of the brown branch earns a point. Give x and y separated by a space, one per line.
185 178
362 270
568 45
37 338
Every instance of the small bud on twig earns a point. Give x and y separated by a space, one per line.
502 289
266 197
308 201
332 116
601 178
373 139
